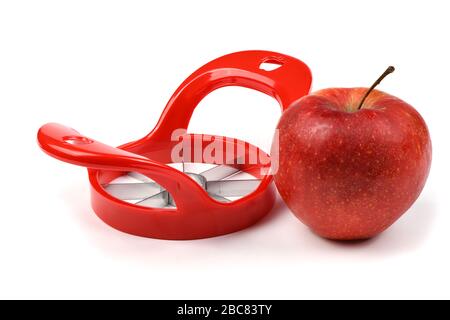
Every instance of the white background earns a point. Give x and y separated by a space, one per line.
107 68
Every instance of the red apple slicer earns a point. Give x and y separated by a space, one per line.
140 189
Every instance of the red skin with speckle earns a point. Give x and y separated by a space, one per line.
350 174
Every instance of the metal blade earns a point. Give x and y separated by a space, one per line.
139 176
159 200
191 167
219 172
133 191
218 198
146 192
232 188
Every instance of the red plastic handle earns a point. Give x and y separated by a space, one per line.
69 145
288 83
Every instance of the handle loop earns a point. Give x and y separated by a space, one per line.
288 83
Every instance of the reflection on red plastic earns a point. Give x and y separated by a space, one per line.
77 140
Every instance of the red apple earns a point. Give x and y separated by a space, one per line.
349 172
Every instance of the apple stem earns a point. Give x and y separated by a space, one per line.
389 70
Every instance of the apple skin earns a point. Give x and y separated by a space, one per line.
346 173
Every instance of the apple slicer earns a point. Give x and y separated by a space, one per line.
138 188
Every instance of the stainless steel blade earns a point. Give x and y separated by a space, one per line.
133 191
232 188
219 172
191 167
139 176
197 178
159 200
148 193
218 198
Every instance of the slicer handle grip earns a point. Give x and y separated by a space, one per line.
288 83
68 145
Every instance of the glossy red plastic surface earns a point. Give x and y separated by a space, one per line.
196 215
